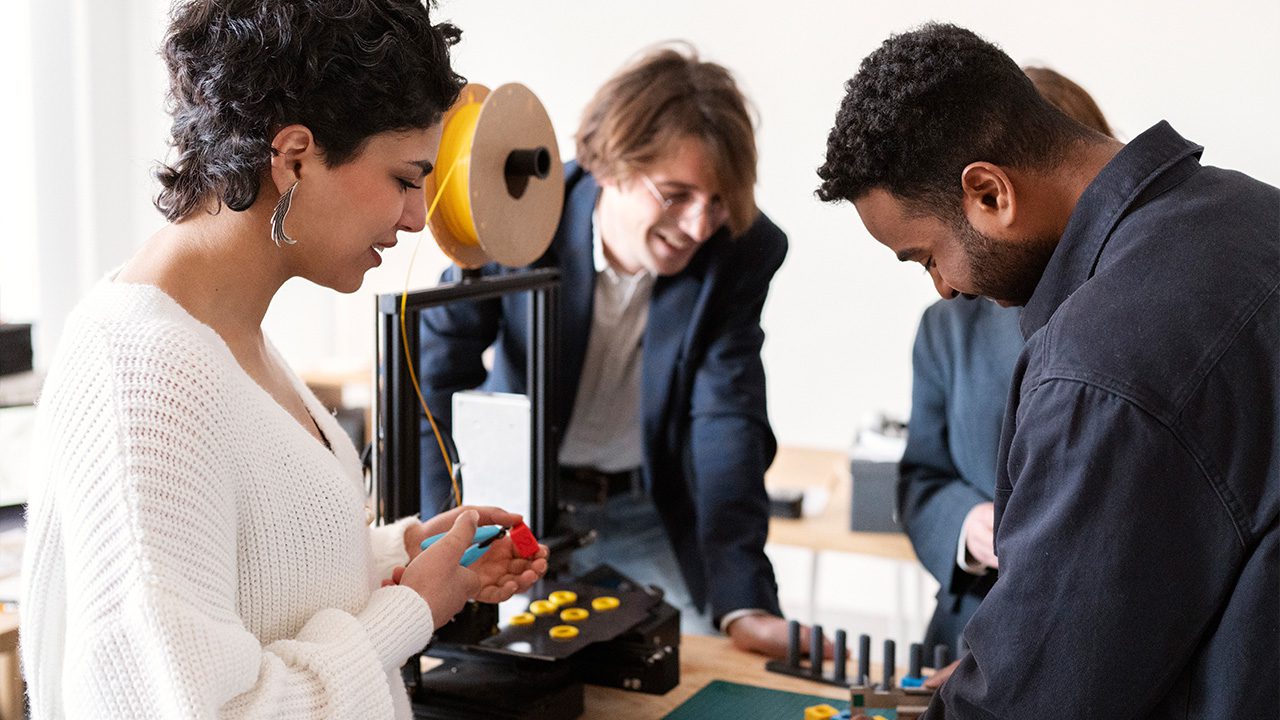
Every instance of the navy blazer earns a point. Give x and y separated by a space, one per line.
1138 483
706 433
961 369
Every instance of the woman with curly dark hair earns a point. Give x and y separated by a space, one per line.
201 545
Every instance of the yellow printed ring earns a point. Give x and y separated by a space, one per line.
563 632
542 607
605 603
563 597
522 619
574 615
820 712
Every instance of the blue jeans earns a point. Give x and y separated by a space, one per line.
632 539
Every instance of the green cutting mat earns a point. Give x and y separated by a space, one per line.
722 700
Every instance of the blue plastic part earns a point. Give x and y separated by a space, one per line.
480 542
912 682
473 554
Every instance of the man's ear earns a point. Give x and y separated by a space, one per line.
292 149
608 181
990 202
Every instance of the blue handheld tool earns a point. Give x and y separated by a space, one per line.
480 544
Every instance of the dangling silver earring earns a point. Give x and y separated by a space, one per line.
278 217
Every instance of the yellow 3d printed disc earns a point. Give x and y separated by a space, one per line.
605 603
563 632
542 607
563 597
574 615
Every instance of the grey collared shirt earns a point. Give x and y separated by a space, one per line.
604 430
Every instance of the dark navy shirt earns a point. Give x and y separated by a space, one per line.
961 368
1138 486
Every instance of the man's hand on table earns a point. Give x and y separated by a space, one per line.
767 635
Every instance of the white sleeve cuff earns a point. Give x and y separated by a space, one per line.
966 563
387 545
728 619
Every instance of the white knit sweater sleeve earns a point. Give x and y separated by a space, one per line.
387 543
138 544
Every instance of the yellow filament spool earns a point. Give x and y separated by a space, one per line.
523 619
542 607
456 142
505 182
562 598
604 603
574 615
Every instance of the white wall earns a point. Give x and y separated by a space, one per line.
842 313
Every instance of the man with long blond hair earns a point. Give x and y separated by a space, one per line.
666 264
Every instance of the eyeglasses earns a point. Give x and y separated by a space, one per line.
682 205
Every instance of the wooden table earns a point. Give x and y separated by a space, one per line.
827 471
11 687
702 659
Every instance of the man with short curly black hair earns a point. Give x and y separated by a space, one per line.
1136 501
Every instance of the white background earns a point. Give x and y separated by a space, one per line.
84 121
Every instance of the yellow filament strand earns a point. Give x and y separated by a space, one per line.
408 355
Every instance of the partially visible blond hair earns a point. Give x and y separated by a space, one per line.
665 95
1070 98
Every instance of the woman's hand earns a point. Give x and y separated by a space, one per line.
504 573
494 577
415 534
436 573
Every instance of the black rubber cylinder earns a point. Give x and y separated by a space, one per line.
815 651
528 162
890 658
864 660
841 656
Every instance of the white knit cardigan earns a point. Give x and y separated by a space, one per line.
192 550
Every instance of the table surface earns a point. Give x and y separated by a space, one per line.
827 471
8 631
702 659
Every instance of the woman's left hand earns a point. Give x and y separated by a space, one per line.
415 534
502 571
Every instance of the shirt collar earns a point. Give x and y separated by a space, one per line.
602 262
1114 191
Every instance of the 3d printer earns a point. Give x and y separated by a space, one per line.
499 181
